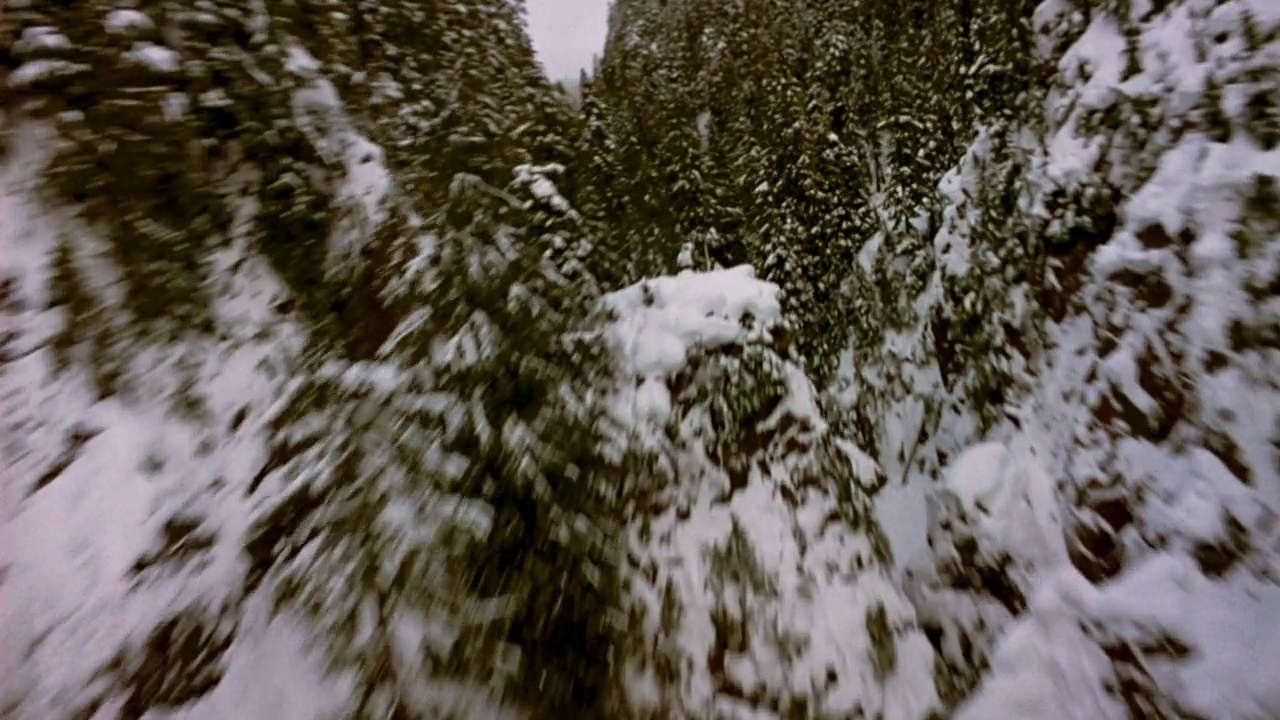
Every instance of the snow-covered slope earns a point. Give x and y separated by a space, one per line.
1113 549
128 446
127 460
760 578
122 511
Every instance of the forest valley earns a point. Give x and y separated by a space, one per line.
805 359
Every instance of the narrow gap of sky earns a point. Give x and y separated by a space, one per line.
567 34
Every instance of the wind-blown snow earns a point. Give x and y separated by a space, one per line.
542 187
157 58
41 38
34 71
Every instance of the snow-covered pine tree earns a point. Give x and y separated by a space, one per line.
231 105
452 485
758 576
160 112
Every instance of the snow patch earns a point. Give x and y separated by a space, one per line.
364 188
123 20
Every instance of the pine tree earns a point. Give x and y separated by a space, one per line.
67 291
831 122
471 426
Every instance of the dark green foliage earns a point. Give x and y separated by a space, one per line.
87 336
1213 119
1132 50
180 661
480 379
139 145
795 132
550 491
884 652
66 290
1262 116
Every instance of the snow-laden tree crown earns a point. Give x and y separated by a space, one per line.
828 360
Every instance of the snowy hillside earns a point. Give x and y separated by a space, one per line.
131 440
1112 549
123 508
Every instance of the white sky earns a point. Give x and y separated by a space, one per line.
567 34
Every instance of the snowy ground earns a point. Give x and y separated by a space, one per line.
121 512
1134 503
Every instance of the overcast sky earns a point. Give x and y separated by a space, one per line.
567 33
